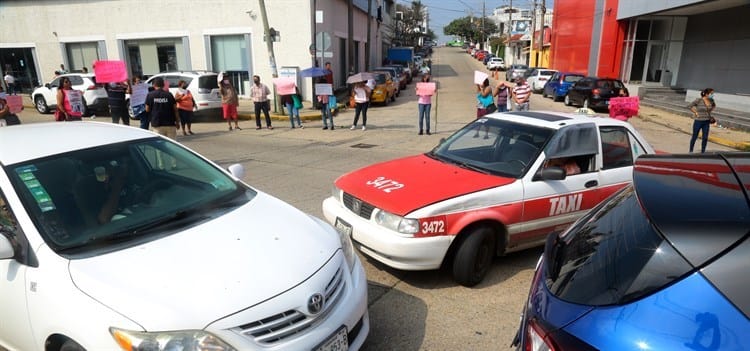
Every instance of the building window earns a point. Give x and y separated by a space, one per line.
82 55
230 54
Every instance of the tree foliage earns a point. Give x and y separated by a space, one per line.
408 30
471 28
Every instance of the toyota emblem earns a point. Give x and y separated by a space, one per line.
315 303
356 205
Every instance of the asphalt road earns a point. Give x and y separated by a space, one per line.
408 310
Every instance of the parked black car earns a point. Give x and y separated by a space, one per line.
594 92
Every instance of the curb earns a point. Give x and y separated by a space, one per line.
742 146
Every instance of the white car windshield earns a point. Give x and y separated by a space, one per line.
494 146
111 196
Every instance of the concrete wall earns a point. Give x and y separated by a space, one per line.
634 8
715 52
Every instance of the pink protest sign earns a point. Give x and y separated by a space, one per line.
426 88
285 85
110 71
15 103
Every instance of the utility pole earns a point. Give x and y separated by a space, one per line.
367 43
269 46
533 29
541 32
350 40
269 39
510 26
483 16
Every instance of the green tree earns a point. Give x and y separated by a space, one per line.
408 25
470 28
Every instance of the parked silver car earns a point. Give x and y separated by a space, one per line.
515 71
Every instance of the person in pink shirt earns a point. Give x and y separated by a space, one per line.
425 104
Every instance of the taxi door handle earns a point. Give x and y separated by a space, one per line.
591 184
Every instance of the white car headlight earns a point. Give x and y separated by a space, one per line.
187 340
397 223
347 248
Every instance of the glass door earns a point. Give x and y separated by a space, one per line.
655 55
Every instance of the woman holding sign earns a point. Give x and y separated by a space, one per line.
425 90
69 102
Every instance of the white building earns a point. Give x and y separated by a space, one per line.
219 35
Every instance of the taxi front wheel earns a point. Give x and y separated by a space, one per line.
474 257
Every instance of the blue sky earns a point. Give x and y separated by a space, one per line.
443 12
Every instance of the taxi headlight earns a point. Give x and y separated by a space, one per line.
186 340
336 193
397 223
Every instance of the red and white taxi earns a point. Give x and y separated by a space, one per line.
500 184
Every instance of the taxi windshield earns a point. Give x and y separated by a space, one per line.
99 198
494 146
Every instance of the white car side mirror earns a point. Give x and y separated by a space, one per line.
237 171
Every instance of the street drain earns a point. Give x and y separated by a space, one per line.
363 146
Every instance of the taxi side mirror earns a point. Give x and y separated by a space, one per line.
551 173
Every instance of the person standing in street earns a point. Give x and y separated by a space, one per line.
484 98
259 93
10 82
69 102
325 109
139 111
162 108
185 105
424 105
329 76
118 109
501 92
361 94
291 101
702 119
521 94
229 103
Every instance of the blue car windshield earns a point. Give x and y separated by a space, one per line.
94 198
493 146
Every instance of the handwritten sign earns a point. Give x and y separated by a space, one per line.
324 89
426 88
15 103
285 85
110 71
138 94
479 77
75 98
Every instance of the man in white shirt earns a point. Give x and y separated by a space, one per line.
10 82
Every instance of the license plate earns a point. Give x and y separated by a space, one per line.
339 341
343 227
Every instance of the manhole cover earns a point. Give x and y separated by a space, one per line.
363 146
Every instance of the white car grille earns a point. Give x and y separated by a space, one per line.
279 327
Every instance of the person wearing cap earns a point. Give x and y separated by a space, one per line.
521 94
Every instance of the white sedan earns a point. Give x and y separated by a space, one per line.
115 238
539 77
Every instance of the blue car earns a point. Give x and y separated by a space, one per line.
558 84
661 265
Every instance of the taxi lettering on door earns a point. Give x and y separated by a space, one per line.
565 204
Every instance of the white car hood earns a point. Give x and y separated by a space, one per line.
189 279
